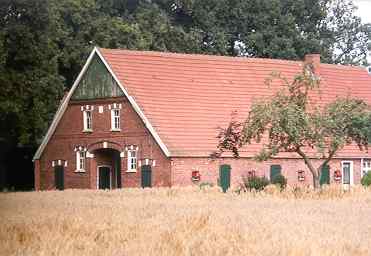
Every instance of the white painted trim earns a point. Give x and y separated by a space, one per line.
110 175
78 169
100 109
89 155
128 167
85 120
351 172
63 107
113 128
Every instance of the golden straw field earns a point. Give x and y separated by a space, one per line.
186 221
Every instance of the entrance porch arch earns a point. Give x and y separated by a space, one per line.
104 144
105 165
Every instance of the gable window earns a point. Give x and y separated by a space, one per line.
115 119
366 166
80 160
132 160
87 120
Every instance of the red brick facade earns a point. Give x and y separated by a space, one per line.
69 134
209 170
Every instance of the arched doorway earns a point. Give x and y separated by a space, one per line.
108 172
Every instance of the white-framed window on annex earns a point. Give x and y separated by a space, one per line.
88 120
366 166
80 159
132 160
115 119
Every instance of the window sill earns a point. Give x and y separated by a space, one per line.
131 171
115 130
87 131
80 171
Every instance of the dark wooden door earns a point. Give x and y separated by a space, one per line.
225 177
275 170
59 177
146 176
325 175
104 177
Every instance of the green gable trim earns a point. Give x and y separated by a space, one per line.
97 83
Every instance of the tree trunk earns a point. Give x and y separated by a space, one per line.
316 184
315 173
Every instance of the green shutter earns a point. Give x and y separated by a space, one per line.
225 177
104 178
275 170
59 177
97 83
325 175
146 176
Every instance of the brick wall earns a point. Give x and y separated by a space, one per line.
69 134
209 169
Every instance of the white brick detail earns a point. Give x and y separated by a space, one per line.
89 155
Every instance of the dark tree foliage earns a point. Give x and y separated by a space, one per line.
43 43
30 83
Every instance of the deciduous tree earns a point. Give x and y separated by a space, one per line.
292 123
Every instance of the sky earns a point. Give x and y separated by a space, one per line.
364 11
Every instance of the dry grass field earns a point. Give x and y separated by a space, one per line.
186 221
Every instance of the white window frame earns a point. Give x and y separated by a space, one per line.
132 161
351 172
80 161
88 121
115 120
366 169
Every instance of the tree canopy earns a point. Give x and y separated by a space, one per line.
43 43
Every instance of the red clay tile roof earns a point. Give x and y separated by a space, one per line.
186 97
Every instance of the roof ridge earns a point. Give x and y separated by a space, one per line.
341 66
198 56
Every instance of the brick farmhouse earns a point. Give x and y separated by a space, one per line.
141 119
